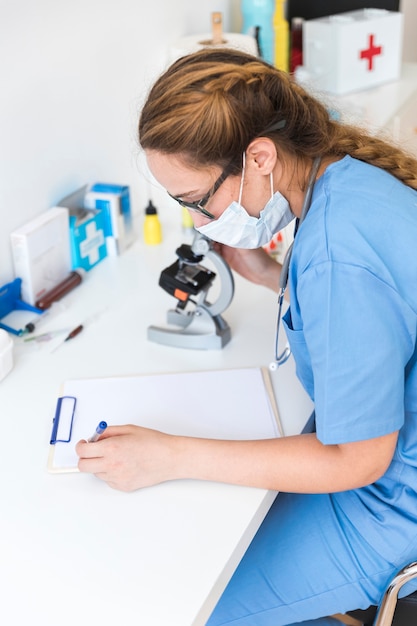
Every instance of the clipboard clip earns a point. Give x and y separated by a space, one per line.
63 420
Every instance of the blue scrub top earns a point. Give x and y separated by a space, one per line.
352 330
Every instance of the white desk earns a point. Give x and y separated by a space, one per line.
71 549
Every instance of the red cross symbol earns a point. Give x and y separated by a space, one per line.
370 52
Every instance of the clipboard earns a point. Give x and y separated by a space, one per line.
221 404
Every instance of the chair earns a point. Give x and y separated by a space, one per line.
392 611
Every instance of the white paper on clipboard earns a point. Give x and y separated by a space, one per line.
220 404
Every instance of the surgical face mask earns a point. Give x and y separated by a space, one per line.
236 228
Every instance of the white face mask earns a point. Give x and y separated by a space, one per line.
236 228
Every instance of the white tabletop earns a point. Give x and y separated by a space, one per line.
72 550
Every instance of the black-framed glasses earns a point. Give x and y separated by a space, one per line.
199 205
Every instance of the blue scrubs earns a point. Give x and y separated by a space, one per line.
352 329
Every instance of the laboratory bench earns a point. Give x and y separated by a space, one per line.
72 549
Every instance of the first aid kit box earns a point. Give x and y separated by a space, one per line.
354 50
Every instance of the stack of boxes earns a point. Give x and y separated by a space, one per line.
86 226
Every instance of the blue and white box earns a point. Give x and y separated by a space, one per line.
114 202
86 231
88 242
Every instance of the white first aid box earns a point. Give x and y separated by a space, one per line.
41 253
353 51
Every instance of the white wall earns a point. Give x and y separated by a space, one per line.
72 76
409 8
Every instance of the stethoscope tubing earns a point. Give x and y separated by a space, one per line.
285 354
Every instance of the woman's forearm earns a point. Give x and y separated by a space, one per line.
254 265
296 464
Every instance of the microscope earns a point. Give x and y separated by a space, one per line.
195 322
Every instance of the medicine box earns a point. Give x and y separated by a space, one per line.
41 253
354 50
88 242
114 201
87 238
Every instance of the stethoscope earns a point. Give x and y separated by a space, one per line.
281 358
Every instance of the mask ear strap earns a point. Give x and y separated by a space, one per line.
242 177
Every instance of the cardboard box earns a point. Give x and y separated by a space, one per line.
353 51
86 231
114 202
41 253
88 243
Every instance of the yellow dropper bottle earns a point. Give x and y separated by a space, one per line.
282 37
152 231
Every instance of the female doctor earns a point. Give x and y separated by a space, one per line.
247 150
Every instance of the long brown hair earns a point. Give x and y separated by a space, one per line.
208 106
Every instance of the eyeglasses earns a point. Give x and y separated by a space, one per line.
199 205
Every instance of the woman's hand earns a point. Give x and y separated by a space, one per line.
254 265
128 457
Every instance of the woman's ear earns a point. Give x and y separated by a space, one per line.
261 155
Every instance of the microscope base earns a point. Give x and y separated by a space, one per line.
216 339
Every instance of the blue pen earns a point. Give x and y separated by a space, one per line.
99 430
